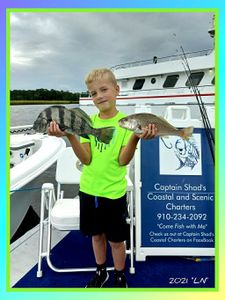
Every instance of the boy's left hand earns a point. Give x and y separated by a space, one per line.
149 132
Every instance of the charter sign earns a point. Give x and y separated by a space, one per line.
177 194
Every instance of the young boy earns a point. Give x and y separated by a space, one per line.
103 185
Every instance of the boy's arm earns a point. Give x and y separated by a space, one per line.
127 152
82 151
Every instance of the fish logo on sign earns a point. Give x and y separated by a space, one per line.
187 153
180 157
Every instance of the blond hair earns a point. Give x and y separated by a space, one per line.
99 74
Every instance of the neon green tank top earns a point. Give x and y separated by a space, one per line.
104 176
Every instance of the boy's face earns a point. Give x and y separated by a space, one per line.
104 94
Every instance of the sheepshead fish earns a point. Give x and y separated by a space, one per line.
73 121
136 122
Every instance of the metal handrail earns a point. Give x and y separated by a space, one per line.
160 59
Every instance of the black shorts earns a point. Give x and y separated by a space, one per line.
102 215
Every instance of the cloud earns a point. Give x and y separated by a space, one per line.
57 49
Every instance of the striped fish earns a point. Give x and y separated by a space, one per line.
73 121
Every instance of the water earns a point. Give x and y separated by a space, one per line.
26 114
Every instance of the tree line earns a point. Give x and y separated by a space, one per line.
45 94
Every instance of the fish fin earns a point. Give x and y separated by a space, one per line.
82 114
104 134
71 131
185 133
63 127
85 136
181 163
138 130
180 166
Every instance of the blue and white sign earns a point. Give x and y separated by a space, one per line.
175 212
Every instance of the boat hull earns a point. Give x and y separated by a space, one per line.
24 177
20 202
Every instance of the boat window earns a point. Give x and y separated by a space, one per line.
194 79
153 80
138 84
170 81
213 81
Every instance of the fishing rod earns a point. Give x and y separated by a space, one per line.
203 112
204 115
196 91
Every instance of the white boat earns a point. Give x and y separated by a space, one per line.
30 156
180 79
167 81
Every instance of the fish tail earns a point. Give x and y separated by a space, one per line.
185 133
104 134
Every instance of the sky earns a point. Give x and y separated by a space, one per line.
55 50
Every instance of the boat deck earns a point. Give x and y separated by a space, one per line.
72 249
24 253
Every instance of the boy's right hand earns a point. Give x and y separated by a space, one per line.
54 130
